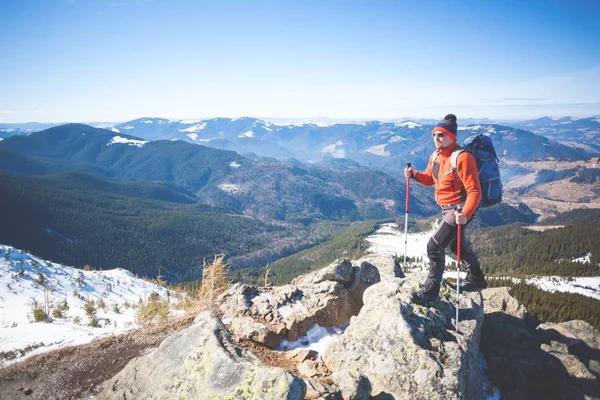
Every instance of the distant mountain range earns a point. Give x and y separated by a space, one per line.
83 195
266 188
380 145
582 133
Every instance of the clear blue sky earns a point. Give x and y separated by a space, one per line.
101 60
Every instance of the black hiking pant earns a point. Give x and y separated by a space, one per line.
436 251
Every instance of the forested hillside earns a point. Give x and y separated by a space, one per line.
513 249
553 307
349 243
77 220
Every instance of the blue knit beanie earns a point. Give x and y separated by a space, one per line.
448 126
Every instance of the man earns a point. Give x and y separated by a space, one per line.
458 193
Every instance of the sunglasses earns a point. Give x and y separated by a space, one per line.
438 135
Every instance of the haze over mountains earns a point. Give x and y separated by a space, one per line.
374 144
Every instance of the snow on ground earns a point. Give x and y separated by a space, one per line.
542 228
586 286
317 338
233 164
584 259
130 142
20 274
388 240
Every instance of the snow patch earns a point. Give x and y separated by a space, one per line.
409 124
130 142
248 134
233 164
194 128
469 128
379 150
292 308
115 130
230 188
586 286
335 149
317 338
396 139
127 127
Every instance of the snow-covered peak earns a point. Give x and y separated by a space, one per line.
130 142
408 124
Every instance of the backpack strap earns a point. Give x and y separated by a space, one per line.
454 160
433 157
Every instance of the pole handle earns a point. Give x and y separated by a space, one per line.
408 165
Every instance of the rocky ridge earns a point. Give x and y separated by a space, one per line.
389 348
254 345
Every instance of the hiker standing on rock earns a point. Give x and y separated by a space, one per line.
458 192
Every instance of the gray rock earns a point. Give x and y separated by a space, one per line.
246 327
339 271
352 386
200 362
329 297
577 345
502 300
409 351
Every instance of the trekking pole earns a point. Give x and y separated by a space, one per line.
406 216
458 227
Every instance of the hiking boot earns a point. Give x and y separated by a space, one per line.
473 283
421 297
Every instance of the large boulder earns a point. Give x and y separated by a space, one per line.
326 297
201 362
409 351
554 362
577 345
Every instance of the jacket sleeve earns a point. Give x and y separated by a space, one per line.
425 178
466 168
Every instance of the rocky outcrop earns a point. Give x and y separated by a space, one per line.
576 344
558 361
408 351
327 297
390 348
201 362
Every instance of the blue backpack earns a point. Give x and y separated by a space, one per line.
482 148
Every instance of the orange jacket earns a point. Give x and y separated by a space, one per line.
448 189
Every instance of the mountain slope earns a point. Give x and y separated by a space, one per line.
260 188
77 220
